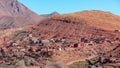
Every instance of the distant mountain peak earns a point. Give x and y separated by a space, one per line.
50 15
54 13
20 14
13 8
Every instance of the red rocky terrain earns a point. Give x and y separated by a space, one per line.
67 38
81 35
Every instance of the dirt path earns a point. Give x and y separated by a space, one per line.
82 59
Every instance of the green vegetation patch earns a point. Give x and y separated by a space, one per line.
80 63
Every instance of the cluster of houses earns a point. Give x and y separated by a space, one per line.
36 48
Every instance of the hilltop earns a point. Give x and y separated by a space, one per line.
77 24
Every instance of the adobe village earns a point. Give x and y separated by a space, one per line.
87 39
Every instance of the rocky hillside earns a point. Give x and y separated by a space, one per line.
79 24
94 27
15 14
76 37
94 18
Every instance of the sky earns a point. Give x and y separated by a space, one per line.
70 6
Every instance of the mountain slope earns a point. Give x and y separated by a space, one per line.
99 19
93 32
78 24
18 13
